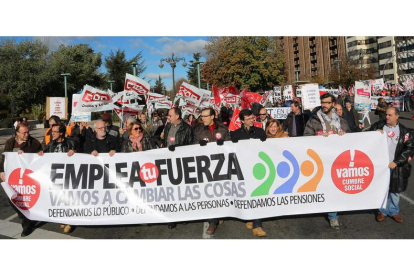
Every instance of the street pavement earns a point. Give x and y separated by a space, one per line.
354 225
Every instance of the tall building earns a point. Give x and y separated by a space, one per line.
363 50
386 59
405 57
309 56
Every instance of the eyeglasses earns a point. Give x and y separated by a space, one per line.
100 128
262 114
205 116
137 128
326 102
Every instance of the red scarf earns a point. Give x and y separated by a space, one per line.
211 128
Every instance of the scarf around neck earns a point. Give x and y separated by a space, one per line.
136 141
333 120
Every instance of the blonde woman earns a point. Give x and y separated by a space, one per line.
274 129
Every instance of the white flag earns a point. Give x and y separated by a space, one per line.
137 85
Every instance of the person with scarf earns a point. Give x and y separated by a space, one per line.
324 122
138 139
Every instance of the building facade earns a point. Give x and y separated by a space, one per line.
386 59
310 56
405 57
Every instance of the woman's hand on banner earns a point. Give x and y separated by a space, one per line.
71 152
94 153
40 153
111 153
341 132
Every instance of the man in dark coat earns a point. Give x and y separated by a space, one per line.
100 142
249 131
211 131
400 149
21 143
176 133
352 117
295 121
112 130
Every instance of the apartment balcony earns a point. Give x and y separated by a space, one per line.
406 66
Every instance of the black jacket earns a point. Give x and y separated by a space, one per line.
219 132
352 118
403 152
91 144
114 131
183 137
69 144
244 134
300 121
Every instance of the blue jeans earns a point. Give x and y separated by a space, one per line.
393 203
333 216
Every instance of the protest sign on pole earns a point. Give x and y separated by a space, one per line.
362 101
376 85
288 92
253 179
278 92
310 96
279 113
57 106
78 116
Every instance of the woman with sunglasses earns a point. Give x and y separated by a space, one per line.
138 139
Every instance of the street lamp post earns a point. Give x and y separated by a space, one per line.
134 68
172 61
65 75
297 75
111 82
338 62
198 72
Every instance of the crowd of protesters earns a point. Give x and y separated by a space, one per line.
334 116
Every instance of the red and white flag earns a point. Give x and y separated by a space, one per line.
124 112
190 93
138 85
235 122
94 100
155 98
265 97
165 104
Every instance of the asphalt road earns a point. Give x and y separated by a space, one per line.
354 225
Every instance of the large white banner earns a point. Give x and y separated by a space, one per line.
310 96
246 180
279 113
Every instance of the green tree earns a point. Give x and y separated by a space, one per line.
253 62
159 86
81 62
351 70
23 72
192 73
117 66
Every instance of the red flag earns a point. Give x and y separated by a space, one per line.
235 122
247 98
216 93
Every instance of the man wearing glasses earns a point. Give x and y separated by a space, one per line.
100 142
249 131
263 117
210 131
325 121
21 143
